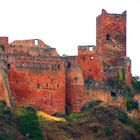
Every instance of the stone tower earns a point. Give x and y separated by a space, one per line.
111 45
111 34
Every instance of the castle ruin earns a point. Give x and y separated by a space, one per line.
34 74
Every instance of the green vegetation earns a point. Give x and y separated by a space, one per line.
136 85
24 119
115 83
97 120
121 74
74 116
123 117
120 85
29 126
131 104
107 131
2 47
3 137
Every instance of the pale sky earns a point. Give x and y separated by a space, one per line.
65 24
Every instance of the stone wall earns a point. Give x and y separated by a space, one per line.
4 95
111 44
38 83
4 44
90 63
85 95
39 77
111 33
29 43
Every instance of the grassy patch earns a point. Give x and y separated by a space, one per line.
74 116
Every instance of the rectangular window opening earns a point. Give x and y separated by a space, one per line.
8 66
91 58
36 42
46 85
90 49
108 37
38 86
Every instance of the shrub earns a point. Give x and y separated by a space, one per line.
5 111
3 137
137 127
107 131
136 85
2 104
131 105
124 118
29 125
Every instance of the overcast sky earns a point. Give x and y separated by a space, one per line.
65 24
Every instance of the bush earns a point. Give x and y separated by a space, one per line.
107 131
124 118
137 127
5 111
29 125
136 85
3 137
131 105
2 104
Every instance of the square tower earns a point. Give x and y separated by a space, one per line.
111 34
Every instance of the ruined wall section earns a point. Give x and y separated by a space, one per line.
38 82
4 95
33 51
34 47
29 43
102 95
90 63
128 78
4 44
78 100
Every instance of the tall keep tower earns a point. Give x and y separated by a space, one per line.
111 35
111 45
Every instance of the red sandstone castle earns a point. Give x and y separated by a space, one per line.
32 73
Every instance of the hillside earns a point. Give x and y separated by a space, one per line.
100 122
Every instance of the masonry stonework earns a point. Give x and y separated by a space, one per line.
34 74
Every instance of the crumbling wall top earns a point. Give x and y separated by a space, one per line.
86 49
29 43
